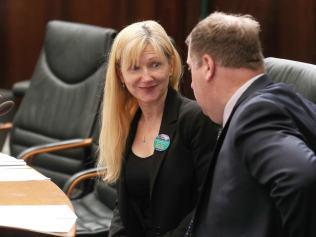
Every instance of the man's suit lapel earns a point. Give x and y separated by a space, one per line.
168 126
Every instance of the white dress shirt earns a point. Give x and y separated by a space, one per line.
233 100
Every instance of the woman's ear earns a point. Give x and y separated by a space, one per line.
171 66
119 74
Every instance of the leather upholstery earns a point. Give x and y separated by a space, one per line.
64 97
5 95
19 88
292 72
95 211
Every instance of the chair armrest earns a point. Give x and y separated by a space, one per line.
19 88
55 146
79 177
5 106
5 126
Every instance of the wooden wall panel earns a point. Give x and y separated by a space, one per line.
296 35
23 28
288 28
107 13
3 48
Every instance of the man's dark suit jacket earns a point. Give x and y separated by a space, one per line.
179 171
263 182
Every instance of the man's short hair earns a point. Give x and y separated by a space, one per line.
232 40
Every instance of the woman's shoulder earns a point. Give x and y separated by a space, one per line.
192 121
189 106
188 111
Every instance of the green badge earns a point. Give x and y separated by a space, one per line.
162 142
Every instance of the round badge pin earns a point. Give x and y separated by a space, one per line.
162 142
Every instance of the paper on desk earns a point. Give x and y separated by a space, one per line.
12 169
45 218
6 160
19 173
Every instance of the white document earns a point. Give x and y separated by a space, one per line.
6 160
44 218
20 173
12 169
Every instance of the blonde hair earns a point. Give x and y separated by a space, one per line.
232 40
119 106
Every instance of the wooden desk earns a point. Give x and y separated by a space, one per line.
41 192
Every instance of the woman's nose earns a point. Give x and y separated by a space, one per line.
146 75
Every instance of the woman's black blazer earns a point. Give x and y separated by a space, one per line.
178 174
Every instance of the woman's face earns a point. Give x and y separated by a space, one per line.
148 81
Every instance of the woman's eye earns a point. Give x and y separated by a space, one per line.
134 68
155 64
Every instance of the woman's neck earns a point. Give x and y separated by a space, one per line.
147 129
152 112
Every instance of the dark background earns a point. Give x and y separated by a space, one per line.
288 26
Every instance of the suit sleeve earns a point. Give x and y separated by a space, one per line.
202 142
117 228
199 134
276 155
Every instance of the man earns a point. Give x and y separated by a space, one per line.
262 182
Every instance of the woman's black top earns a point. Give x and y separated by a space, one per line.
138 172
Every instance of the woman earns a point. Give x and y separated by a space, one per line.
155 143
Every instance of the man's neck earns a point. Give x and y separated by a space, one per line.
230 80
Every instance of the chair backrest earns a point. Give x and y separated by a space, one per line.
64 96
301 75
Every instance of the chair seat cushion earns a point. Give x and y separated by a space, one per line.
94 218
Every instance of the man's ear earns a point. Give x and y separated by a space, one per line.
209 66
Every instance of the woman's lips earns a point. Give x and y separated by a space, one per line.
147 87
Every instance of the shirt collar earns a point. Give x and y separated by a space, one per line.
234 98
